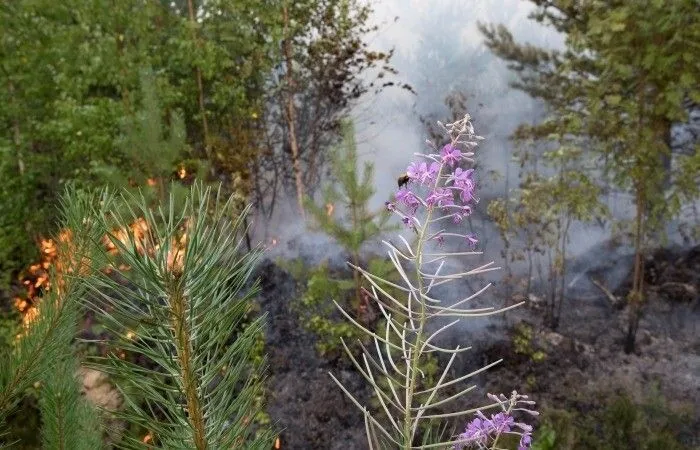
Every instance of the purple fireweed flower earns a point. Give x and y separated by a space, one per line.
408 198
502 422
462 177
441 197
466 195
433 170
477 432
409 222
525 441
390 206
450 155
465 211
462 181
422 172
471 240
414 170
482 429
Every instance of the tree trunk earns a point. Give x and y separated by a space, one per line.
636 295
664 131
552 290
506 244
562 279
16 132
290 112
528 287
200 86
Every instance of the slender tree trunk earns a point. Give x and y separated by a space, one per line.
290 112
562 280
356 251
528 287
636 295
551 294
506 242
200 84
666 157
121 56
16 132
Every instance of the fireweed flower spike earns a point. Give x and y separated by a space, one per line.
483 432
433 206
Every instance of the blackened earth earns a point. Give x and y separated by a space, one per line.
306 404
584 361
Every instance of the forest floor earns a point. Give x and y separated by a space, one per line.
584 365
576 367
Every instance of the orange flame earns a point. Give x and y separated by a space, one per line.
37 280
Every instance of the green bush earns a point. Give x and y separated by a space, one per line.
318 313
617 424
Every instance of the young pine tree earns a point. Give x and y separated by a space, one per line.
355 225
182 306
43 355
175 299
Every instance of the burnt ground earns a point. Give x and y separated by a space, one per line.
583 361
303 400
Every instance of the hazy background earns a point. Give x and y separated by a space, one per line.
438 50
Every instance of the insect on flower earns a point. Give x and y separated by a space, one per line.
403 179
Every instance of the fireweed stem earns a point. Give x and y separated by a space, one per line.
450 194
416 352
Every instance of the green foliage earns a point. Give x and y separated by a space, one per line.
151 148
523 343
346 218
319 315
182 307
68 421
9 328
354 225
545 438
618 424
71 78
187 293
43 355
612 97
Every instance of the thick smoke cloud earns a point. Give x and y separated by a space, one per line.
439 50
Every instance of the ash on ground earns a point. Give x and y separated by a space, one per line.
303 400
583 359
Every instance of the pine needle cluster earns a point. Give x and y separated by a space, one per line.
174 294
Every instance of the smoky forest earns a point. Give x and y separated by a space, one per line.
350 224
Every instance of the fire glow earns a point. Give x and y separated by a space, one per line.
37 279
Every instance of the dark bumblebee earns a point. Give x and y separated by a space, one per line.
403 179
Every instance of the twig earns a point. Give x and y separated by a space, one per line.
613 300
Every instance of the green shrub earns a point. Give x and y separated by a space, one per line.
617 424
